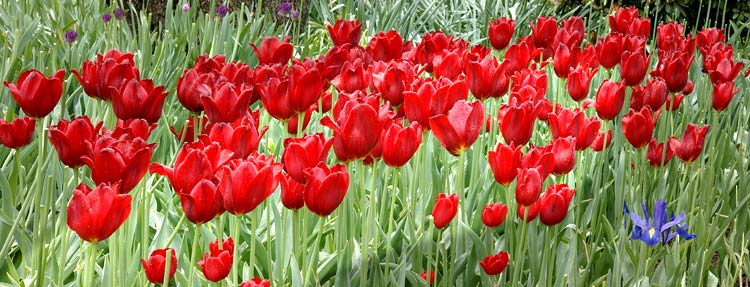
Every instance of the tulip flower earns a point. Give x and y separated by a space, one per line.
119 160
109 70
726 71
554 204
192 86
656 151
500 32
392 80
95 214
460 128
494 214
446 207
610 50
495 264
138 99
432 99
325 188
707 38
533 211
17 133
673 103
245 184
504 162
529 186
638 127
516 122
353 77
658 228
401 143
302 153
386 46
228 102
565 122
256 282
432 44
540 158
284 97
564 153
424 277
217 264
543 31
202 203
486 78
690 146
448 64
195 162
676 70
518 56
609 99
587 133
345 32
292 193
599 144
578 82
655 94
565 59
241 137
68 138
273 51
722 95
633 67
157 262
356 131
36 94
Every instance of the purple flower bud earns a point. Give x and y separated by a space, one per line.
71 36
221 11
185 7
295 14
285 8
106 17
119 14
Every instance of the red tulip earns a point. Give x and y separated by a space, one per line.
245 184
157 262
675 71
193 86
726 71
486 78
433 98
504 162
529 186
565 59
95 214
356 131
633 67
543 31
555 203
690 146
131 129
284 97
578 82
400 143
656 151
202 203
228 102
386 46
639 127
217 266
495 264
446 207
587 133
208 64
564 151
599 144
571 33
717 53
447 64
36 94
302 153
68 138
138 99
292 193
392 80
533 211
722 95
626 21
274 51
293 122
708 37
518 56
674 102
517 122
109 70
432 44
17 133
353 77
119 160
540 158
325 188
610 50
500 32
241 137
609 99
187 132
565 122
655 94
345 32
195 162
432 277
494 214
256 282
460 128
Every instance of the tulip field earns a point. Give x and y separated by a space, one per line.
360 143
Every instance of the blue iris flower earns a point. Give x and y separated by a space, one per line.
659 228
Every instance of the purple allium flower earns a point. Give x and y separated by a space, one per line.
221 11
106 17
185 7
295 14
71 36
285 8
119 14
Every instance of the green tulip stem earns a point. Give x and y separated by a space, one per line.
194 253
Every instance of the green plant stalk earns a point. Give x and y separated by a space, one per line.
367 233
520 250
300 123
62 225
90 265
166 267
41 223
235 254
313 255
390 222
193 253
253 225
175 230
145 200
